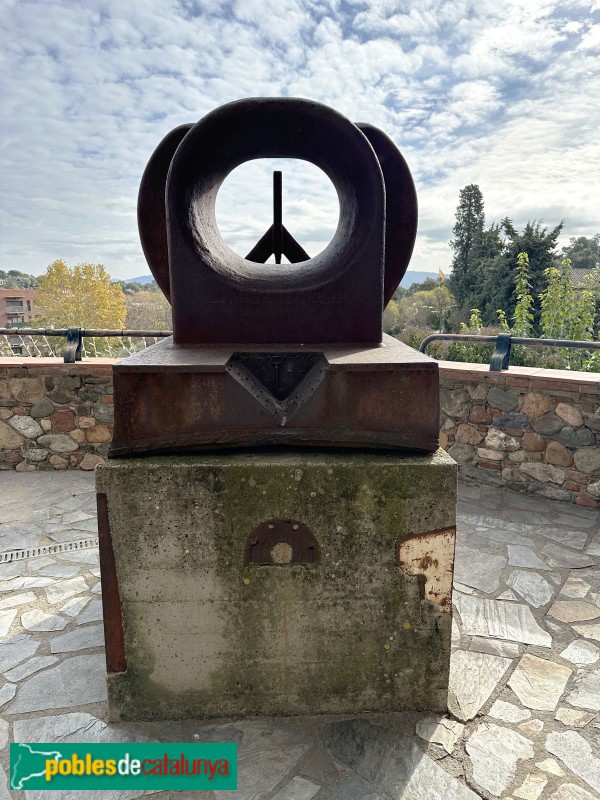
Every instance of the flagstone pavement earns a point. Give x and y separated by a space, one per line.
524 699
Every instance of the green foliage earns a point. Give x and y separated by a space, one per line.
14 279
558 302
567 314
413 336
426 308
523 309
391 318
503 321
514 280
133 287
428 285
399 294
484 264
466 245
583 252
523 316
470 352
475 322
501 274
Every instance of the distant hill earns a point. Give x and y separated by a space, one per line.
416 277
141 279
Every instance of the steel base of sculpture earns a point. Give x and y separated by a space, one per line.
182 399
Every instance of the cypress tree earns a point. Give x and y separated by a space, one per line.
468 233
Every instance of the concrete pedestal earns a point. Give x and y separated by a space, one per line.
199 623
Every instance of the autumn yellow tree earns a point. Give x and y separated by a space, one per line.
391 318
148 311
80 296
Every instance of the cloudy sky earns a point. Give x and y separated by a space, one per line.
505 95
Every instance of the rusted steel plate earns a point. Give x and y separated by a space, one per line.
337 295
111 602
431 556
401 210
281 541
276 354
386 398
151 211
221 297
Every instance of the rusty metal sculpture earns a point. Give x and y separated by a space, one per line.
267 354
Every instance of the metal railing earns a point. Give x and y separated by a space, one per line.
500 359
35 342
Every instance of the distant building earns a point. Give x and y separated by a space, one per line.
17 307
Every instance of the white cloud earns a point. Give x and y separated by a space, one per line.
472 91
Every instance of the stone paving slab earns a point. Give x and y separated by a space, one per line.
525 677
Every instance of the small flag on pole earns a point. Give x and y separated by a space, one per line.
441 274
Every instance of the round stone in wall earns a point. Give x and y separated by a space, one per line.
587 460
504 399
577 437
536 404
571 415
498 440
557 454
26 426
548 425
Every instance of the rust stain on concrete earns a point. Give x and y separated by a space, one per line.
430 555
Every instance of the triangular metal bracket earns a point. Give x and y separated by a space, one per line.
280 382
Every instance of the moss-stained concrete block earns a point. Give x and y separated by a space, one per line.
364 627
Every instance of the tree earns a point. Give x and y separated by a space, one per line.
132 287
427 309
14 279
471 352
151 311
81 296
424 286
523 316
567 313
583 252
468 236
523 308
499 283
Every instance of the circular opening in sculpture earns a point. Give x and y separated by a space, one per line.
310 209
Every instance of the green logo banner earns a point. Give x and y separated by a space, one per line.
198 766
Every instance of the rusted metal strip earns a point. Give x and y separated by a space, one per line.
281 541
277 217
430 556
111 602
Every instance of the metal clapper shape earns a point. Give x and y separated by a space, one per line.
281 541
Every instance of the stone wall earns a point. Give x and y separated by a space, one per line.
54 415
530 429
